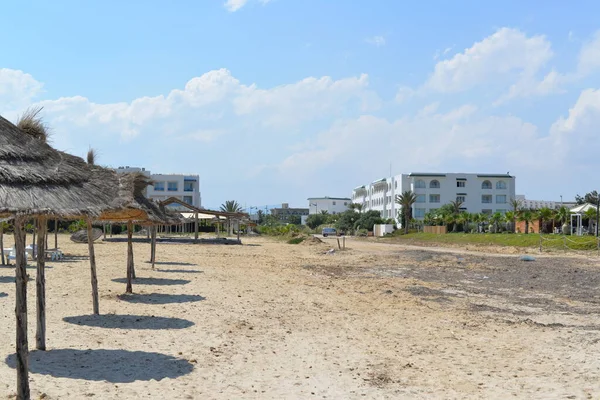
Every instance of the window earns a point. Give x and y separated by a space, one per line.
486 198
172 187
420 184
159 186
419 213
188 186
501 199
434 198
188 199
460 183
500 185
334 203
420 198
488 212
486 185
461 199
434 184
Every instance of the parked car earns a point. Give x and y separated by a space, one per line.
329 231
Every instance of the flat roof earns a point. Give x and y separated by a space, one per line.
424 174
494 176
328 198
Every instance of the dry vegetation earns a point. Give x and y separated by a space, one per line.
280 321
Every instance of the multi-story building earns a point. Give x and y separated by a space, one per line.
184 187
536 204
478 193
333 205
284 212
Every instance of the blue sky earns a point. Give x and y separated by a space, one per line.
276 101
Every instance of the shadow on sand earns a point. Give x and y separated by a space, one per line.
159 298
181 271
154 281
7 279
116 366
112 321
173 263
12 266
3 294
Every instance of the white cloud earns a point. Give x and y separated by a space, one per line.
589 56
377 41
234 5
507 52
17 88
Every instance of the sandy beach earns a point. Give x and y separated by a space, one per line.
269 320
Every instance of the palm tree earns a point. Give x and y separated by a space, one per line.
590 215
509 217
545 215
516 208
527 216
563 215
456 206
324 212
231 206
356 207
406 201
450 220
495 219
463 218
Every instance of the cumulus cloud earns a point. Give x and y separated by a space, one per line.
235 5
504 53
377 41
17 88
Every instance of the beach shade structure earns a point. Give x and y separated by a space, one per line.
136 209
37 181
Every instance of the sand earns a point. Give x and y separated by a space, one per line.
270 320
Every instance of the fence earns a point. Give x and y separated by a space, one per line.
438 230
584 244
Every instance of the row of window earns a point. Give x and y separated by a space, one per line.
486 198
173 186
435 184
379 201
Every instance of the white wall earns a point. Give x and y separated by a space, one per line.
330 204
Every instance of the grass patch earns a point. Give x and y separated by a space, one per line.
502 239
296 240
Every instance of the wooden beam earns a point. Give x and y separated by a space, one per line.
56 233
2 242
196 226
40 285
129 288
93 276
22 346
153 246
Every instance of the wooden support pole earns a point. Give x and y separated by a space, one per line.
56 233
153 246
40 285
104 231
34 224
2 242
195 226
130 275
93 275
238 230
22 346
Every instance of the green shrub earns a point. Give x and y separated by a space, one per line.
297 240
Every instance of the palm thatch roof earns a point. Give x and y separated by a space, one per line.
36 179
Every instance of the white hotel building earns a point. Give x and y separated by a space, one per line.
479 193
184 187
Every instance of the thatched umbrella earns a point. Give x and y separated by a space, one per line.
39 181
139 210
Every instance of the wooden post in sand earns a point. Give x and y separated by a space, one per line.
22 347
2 242
153 246
56 234
130 273
93 276
34 224
196 226
40 286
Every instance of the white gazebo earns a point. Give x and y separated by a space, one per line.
577 215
